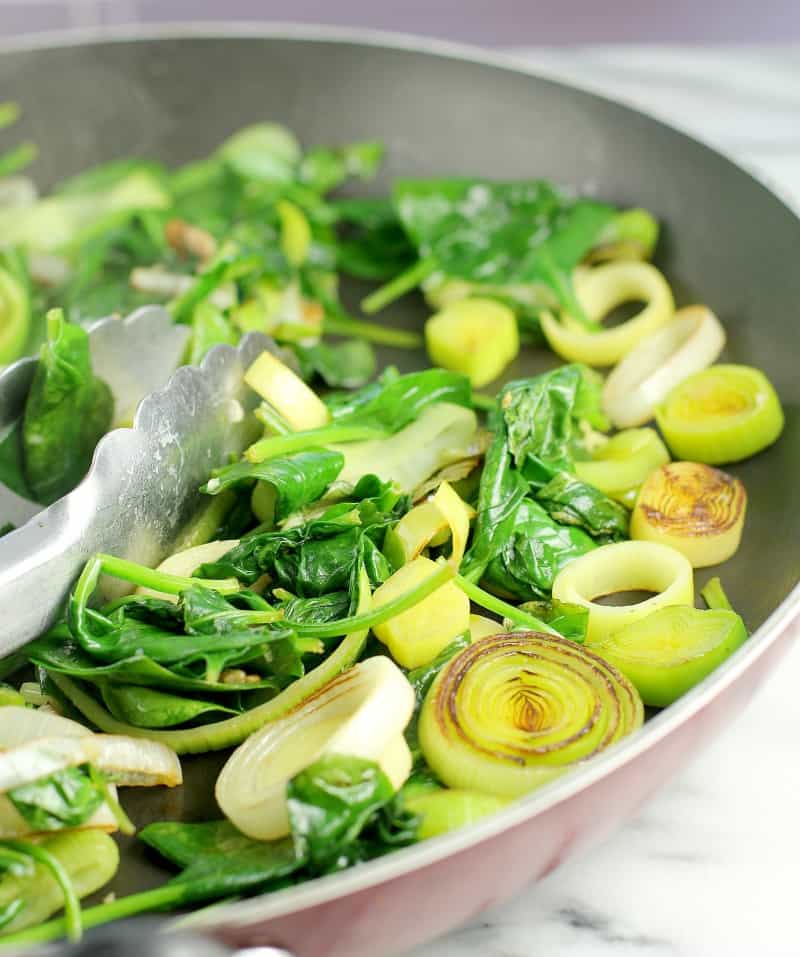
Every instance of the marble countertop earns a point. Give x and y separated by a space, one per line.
709 867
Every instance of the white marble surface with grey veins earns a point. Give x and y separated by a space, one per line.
710 867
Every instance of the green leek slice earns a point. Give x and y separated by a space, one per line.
445 809
725 413
670 651
624 462
477 337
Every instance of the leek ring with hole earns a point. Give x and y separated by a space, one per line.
623 462
723 414
623 567
693 508
648 373
514 711
672 650
600 290
362 713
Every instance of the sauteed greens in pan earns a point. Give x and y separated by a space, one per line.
389 612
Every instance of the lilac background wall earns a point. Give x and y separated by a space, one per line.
502 22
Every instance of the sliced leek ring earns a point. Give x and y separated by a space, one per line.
187 562
623 462
362 712
599 291
623 567
724 414
286 392
693 508
648 373
511 712
37 743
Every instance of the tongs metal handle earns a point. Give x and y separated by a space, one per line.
142 487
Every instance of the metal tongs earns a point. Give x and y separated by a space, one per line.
144 481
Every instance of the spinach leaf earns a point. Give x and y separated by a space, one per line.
67 411
298 480
533 552
572 502
501 492
217 859
150 708
399 401
532 509
501 233
341 809
201 636
567 619
343 404
57 651
346 365
320 555
335 809
12 461
320 608
326 167
542 416
66 798
371 241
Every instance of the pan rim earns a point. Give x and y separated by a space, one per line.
325 889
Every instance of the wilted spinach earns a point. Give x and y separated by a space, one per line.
533 553
298 480
529 496
66 798
567 619
571 501
320 555
67 411
496 233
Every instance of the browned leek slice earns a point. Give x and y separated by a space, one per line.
694 508
513 711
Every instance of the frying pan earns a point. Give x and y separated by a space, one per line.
727 241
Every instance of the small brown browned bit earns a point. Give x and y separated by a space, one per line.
189 240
